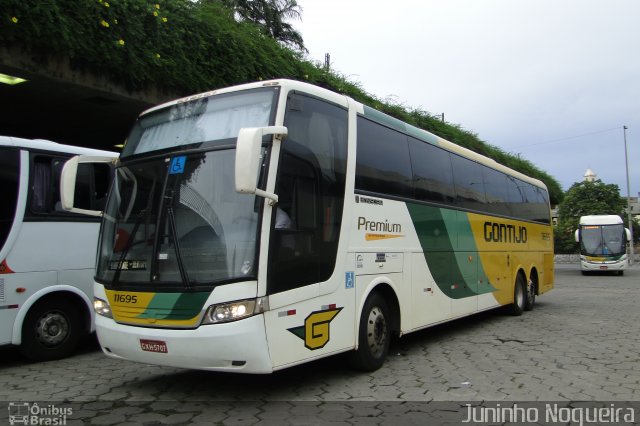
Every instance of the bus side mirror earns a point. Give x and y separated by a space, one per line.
68 180
577 235
248 158
627 234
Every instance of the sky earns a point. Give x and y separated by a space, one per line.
553 81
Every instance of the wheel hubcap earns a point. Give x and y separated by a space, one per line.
376 332
52 329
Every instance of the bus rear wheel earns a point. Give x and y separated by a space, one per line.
374 335
530 300
51 330
519 297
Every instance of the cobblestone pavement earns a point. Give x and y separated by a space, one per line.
580 343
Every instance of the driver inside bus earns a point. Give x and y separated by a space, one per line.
283 221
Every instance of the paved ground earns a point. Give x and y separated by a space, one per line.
579 344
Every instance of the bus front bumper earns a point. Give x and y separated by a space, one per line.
239 346
603 266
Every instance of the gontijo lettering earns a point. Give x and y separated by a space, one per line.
503 233
370 225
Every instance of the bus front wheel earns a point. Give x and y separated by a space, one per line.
374 335
51 330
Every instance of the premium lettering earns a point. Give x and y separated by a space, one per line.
503 233
370 225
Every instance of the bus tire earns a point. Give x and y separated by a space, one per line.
519 297
51 330
374 335
530 300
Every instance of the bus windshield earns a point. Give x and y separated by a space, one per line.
178 223
214 120
173 219
603 240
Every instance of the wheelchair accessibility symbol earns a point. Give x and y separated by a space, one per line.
348 280
177 165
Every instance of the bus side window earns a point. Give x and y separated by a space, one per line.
432 174
382 160
469 183
496 191
92 186
83 190
102 174
42 185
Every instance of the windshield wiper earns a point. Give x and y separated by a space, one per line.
176 245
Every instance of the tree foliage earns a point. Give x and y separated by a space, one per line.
184 47
582 199
271 16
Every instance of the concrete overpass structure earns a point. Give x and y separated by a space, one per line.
67 105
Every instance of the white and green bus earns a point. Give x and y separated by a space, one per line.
603 244
257 227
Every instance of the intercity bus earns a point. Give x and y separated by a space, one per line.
47 255
257 227
603 244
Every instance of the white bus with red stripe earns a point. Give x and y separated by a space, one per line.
47 255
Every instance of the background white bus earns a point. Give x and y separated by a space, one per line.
47 255
603 243
390 229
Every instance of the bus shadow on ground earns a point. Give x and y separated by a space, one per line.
311 379
12 356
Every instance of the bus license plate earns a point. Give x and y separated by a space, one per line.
153 346
604 267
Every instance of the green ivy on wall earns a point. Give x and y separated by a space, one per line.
183 46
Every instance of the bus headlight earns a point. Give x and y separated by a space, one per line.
102 308
233 311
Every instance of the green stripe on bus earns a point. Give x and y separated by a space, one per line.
467 247
175 306
441 233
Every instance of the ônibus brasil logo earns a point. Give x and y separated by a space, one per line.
27 413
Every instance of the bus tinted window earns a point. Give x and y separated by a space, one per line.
468 183
92 185
429 173
9 179
382 163
432 174
514 191
495 185
43 184
536 206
